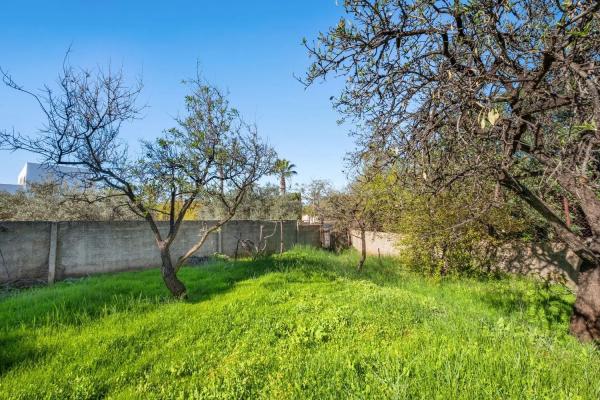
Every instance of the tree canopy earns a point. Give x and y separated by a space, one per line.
472 91
211 154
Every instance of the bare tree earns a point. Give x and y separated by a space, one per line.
351 210
314 194
485 89
259 248
210 152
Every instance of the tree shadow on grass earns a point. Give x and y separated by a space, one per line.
204 282
80 302
547 305
217 278
16 348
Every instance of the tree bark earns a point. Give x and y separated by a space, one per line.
175 286
585 320
363 249
282 185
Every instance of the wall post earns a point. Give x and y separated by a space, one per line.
281 236
52 252
220 240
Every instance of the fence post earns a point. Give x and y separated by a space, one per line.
52 252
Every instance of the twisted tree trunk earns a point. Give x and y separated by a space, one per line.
175 286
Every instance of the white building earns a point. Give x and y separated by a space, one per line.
34 173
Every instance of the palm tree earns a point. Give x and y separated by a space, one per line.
285 170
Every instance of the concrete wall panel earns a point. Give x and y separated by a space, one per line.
86 248
24 248
546 260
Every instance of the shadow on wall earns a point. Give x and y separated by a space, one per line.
550 261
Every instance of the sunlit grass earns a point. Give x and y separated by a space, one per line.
303 324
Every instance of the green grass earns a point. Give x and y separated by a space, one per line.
299 325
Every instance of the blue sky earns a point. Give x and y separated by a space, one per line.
251 48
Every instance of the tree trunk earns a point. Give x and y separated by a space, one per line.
567 212
444 268
566 235
221 179
585 320
282 185
363 249
175 286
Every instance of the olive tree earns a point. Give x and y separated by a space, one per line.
262 202
58 202
210 154
314 195
483 90
355 209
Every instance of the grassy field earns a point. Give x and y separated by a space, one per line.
296 326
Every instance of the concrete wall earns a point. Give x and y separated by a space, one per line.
310 233
24 250
378 242
546 260
29 250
